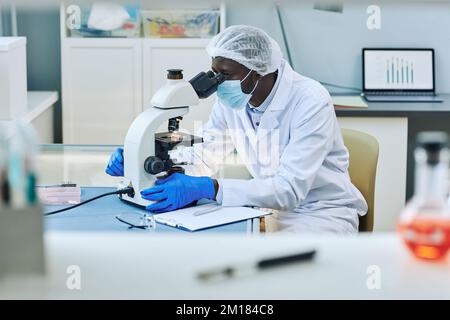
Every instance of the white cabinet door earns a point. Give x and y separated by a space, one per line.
101 89
187 54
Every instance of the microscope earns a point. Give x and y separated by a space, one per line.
146 153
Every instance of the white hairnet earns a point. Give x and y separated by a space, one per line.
249 46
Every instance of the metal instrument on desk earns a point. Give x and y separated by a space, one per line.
146 153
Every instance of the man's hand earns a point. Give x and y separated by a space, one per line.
177 191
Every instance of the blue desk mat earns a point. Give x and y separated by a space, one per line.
99 215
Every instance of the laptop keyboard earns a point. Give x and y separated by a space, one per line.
399 93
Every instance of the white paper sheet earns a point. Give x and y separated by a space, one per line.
187 218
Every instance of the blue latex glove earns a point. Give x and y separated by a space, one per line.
177 191
115 165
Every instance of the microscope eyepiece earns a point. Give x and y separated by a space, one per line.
206 83
175 74
219 77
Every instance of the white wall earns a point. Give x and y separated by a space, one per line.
327 46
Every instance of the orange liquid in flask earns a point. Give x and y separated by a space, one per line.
427 237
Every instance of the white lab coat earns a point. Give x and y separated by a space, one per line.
296 157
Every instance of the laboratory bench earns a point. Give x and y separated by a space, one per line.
166 266
399 109
85 166
41 107
395 126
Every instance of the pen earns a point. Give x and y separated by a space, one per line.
232 271
62 185
201 212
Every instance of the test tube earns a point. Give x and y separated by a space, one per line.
16 167
4 185
30 162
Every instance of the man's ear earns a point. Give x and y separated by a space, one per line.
256 76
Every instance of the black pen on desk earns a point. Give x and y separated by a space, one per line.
263 264
62 185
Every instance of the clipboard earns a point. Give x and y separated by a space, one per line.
206 216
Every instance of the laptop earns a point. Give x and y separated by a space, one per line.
399 75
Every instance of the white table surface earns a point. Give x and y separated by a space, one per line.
39 102
128 266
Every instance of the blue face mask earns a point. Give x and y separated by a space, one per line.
230 93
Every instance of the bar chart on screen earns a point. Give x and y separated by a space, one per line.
399 69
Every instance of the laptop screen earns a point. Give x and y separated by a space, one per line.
398 69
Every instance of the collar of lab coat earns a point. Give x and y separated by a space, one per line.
281 97
269 119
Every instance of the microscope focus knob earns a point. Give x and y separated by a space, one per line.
153 165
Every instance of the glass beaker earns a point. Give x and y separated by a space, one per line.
424 223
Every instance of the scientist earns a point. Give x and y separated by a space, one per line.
285 130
